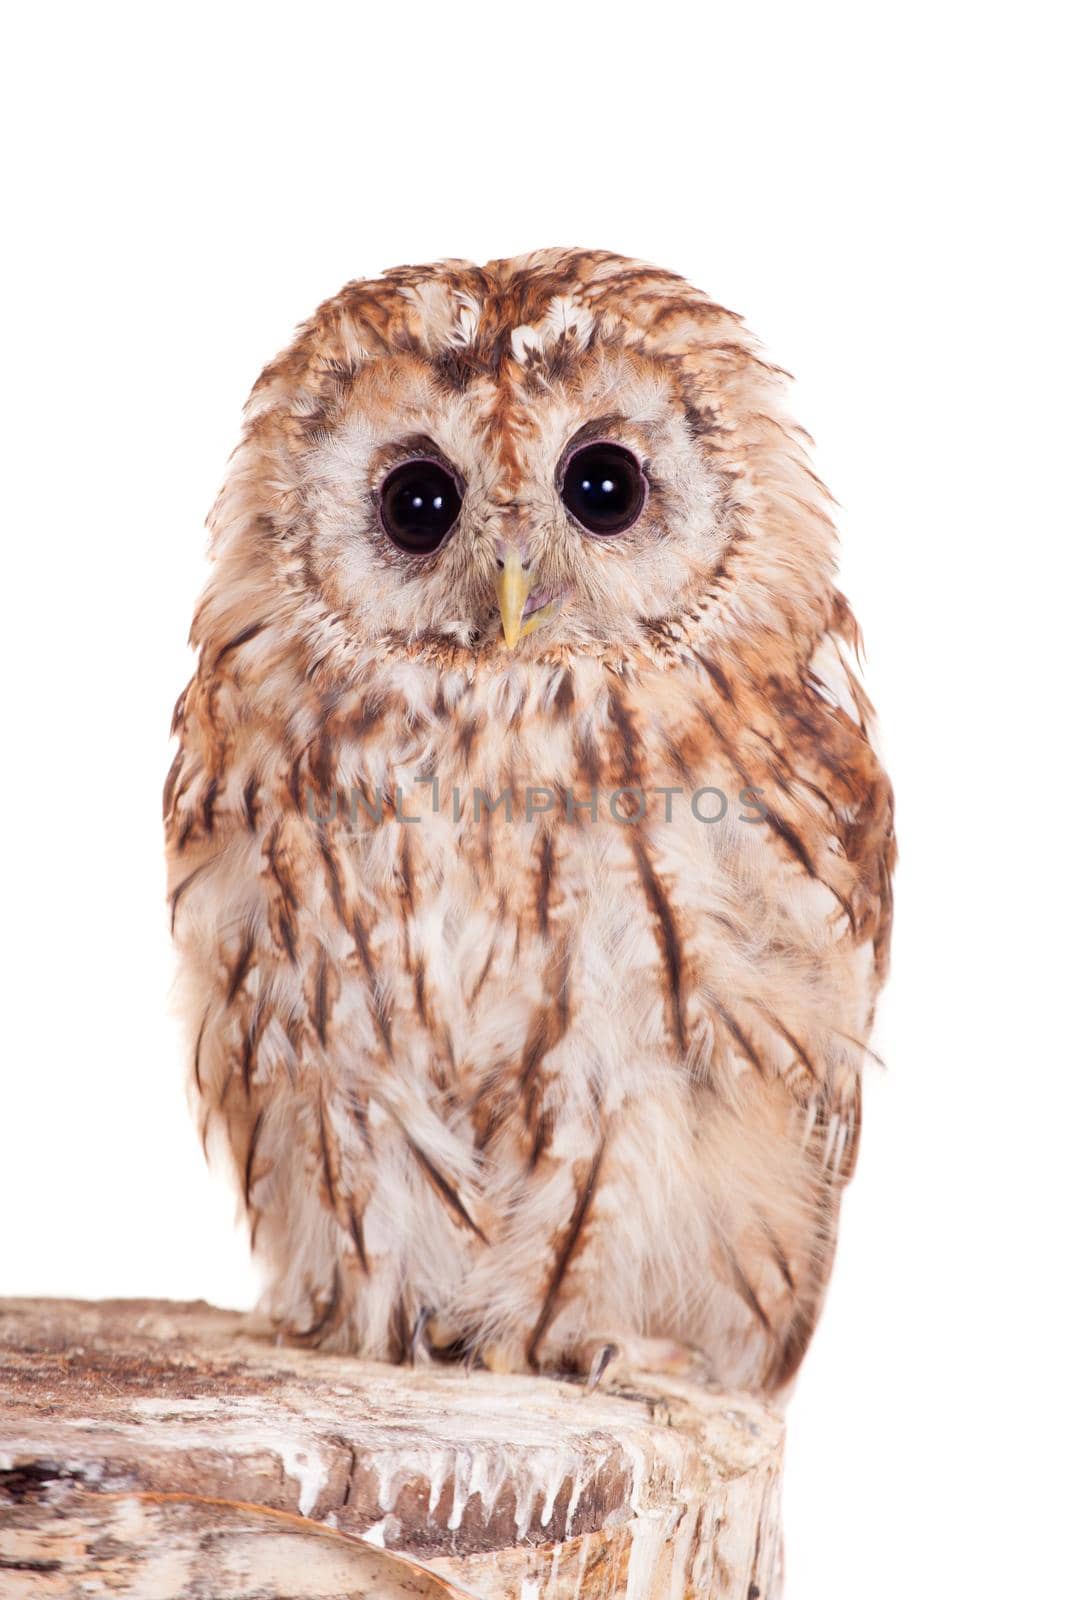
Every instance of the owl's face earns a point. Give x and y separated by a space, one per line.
565 453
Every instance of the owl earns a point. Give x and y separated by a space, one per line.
529 855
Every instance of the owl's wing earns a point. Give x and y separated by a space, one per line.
857 798
829 809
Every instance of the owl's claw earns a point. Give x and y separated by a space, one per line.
600 1362
420 1350
628 1363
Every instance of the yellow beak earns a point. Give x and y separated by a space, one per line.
513 585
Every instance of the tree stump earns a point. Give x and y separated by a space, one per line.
154 1449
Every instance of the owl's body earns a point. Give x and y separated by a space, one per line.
508 1070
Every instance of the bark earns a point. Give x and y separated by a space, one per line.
153 1449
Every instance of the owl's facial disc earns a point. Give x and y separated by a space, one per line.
523 609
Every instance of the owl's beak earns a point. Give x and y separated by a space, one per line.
514 581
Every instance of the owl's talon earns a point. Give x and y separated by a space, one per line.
600 1362
420 1350
628 1362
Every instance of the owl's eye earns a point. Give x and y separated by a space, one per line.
604 488
420 501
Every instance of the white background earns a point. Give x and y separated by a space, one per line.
873 188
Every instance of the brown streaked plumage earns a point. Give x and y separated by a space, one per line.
524 1082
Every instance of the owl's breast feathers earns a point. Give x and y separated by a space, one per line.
460 1015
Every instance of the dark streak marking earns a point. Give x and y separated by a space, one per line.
849 1038
449 1046
794 1345
181 888
355 1228
479 985
784 831
717 676
747 1293
399 1334
420 992
196 1053
539 1041
323 1146
241 638
789 1036
294 785
548 1027
240 967
446 1190
407 877
320 1016
566 1254
564 695
288 937
669 941
488 1125
791 839
249 1160
288 907
741 1038
350 1479
630 739
777 1250
320 764
541 1140
333 880
589 762
456 369
251 789
208 805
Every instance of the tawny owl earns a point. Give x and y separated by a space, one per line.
529 857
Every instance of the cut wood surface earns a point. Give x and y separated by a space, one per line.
154 1449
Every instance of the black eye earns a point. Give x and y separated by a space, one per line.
420 501
604 488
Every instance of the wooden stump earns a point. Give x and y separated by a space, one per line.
153 1450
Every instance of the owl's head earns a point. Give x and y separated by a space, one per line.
565 453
